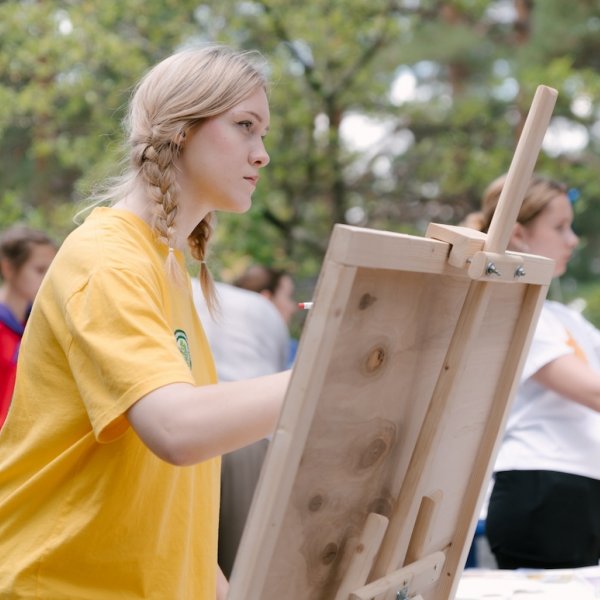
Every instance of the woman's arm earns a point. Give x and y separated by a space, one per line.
184 424
572 378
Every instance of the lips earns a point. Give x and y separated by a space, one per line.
252 180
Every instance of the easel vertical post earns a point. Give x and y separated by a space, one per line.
521 170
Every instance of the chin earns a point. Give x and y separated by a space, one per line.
560 271
235 206
240 210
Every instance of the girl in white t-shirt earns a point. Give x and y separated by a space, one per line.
544 510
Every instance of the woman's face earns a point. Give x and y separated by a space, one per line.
222 156
26 280
550 233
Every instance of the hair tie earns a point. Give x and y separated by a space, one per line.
573 195
171 250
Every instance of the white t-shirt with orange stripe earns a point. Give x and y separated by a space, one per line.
546 431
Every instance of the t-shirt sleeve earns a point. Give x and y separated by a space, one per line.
550 341
122 346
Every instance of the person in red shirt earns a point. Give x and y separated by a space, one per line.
25 255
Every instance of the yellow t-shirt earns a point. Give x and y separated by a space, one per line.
86 510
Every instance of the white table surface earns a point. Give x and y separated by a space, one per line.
559 584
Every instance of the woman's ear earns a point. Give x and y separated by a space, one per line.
179 139
518 239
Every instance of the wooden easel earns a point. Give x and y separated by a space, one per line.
405 371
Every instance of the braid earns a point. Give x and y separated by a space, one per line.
158 171
198 241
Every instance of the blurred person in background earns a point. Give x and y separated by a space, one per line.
274 284
249 337
25 255
544 509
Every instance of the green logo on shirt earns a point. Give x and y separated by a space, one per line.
184 347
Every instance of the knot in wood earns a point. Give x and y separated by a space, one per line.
366 300
375 359
375 450
315 503
329 553
381 506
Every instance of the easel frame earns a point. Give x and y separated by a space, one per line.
352 503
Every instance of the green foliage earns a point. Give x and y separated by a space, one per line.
592 308
67 68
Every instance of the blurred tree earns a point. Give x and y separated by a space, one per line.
385 113
66 69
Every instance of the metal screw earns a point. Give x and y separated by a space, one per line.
520 272
491 269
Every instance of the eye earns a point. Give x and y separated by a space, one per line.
246 125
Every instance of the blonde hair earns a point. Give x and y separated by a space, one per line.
174 96
540 192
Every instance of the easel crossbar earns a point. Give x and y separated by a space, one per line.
417 577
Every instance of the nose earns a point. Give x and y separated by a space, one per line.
573 239
260 157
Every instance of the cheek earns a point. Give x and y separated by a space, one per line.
29 283
550 248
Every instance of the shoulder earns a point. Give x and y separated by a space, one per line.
110 243
568 317
553 319
8 321
112 235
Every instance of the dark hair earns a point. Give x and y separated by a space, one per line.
539 194
259 278
17 241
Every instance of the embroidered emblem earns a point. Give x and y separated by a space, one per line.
184 347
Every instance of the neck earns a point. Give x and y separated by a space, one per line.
14 301
189 214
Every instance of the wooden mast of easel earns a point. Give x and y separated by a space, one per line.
521 170
395 548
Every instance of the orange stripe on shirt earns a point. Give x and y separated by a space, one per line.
579 353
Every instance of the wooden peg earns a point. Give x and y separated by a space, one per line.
364 555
